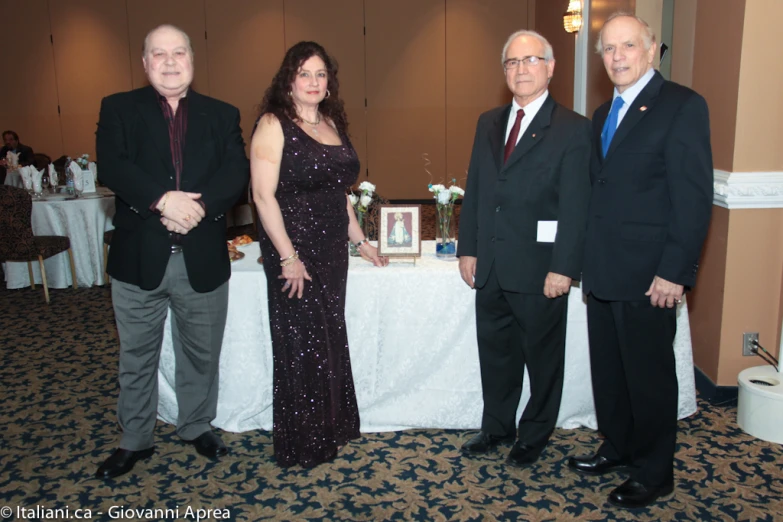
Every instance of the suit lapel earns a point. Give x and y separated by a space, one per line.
194 135
637 111
534 132
497 136
150 111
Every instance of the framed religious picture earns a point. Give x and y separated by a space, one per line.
399 230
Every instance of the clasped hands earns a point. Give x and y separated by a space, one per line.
180 211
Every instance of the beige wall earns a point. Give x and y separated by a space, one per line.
753 280
414 74
705 303
740 284
759 131
716 66
475 81
651 11
683 37
29 86
599 87
549 22
90 61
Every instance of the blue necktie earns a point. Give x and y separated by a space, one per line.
610 125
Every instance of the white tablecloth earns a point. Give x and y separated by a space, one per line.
412 337
83 220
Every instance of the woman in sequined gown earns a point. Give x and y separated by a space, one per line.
302 163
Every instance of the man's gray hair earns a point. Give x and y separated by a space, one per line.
648 36
548 52
145 46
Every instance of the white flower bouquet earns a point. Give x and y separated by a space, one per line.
361 204
445 234
83 161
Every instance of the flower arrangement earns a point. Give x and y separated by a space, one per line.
361 204
445 235
83 161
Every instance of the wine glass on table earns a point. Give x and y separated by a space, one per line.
45 182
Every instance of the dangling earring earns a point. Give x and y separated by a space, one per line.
290 94
327 94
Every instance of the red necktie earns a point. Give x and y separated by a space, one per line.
512 138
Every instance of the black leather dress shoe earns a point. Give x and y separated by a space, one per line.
596 465
209 444
482 442
121 462
631 494
523 455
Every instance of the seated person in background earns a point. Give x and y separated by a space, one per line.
11 140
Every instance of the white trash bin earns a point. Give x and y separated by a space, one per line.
760 403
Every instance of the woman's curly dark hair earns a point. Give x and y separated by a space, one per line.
276 99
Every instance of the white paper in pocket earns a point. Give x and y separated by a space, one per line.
547 231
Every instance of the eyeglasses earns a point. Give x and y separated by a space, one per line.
530 61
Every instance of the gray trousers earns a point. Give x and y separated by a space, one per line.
197 324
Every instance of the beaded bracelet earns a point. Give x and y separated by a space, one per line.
360 243
290 260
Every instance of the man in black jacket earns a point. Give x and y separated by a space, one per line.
177 163
651 171
12 144
520 246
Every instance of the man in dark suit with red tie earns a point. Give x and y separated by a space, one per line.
651 172
176 160
520 246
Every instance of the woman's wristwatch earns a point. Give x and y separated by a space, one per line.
360 243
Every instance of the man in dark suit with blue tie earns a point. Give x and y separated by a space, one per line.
651 172
176 160
520 246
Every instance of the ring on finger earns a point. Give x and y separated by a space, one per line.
187 218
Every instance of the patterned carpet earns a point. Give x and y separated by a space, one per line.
58 416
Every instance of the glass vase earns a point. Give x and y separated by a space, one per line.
445 232
352 250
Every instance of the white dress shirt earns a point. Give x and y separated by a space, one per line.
531 109
631 93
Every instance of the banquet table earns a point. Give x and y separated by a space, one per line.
83 220
412 337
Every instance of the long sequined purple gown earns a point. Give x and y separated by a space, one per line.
314 408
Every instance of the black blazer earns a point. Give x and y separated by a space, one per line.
135 158
652 195
25 154
546 178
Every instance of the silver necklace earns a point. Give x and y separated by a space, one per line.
313 124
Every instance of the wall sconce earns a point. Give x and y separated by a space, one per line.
572 19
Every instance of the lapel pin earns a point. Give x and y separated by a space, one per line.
534 135
643 108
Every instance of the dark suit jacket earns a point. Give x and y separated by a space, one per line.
25 153
135 158
652 195
545 179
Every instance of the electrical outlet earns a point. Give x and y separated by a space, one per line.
748 348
